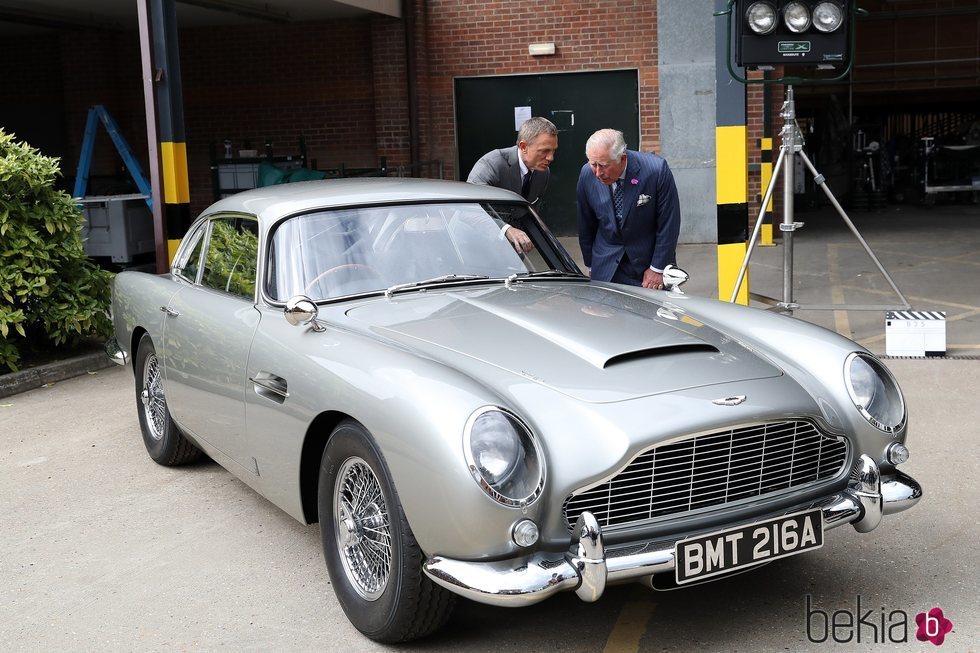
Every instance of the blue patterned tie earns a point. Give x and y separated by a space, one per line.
618 202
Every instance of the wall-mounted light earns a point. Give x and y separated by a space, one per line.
541 49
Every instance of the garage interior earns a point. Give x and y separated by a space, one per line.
905 127
340 88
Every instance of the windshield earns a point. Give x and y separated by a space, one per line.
349 251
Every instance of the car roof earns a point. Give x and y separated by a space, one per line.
274 202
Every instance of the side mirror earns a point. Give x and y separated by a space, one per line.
674 277
301 310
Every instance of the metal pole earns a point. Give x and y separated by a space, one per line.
820 181
161 248
789 173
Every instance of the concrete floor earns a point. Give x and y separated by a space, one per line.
104 550
932 255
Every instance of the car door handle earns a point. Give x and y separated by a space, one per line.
169 311
270 386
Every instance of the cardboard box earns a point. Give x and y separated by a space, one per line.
915 333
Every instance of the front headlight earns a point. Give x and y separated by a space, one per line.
503 456
874 392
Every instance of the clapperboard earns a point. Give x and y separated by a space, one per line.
915 333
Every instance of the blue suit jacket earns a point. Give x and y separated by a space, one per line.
650 224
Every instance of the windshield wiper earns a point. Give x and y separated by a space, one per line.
445 278
549 273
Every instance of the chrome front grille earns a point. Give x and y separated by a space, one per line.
712 470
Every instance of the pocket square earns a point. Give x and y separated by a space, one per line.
643 199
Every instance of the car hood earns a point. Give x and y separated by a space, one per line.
593 342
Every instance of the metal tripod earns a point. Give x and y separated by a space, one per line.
792 146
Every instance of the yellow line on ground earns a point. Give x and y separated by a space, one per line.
919 299
968 258
841 324
632 623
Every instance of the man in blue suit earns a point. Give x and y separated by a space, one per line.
628 212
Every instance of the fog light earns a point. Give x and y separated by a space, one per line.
525 533
897 453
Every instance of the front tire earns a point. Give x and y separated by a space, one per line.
164 441
375 564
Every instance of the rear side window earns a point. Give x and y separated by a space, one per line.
188 264
230 261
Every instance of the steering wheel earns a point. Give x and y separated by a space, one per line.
362 269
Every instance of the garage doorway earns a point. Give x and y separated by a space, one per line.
578 104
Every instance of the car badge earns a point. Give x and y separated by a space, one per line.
730 401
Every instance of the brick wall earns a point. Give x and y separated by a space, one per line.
50 82
476 37
33 92
274 84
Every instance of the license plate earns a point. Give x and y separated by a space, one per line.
725 551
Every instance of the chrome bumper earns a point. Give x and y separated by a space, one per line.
588 566
114 351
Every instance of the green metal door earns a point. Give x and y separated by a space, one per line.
578 104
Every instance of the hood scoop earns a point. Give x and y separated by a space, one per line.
670 350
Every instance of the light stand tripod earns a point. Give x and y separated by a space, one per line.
791 147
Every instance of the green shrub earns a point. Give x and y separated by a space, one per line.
51 293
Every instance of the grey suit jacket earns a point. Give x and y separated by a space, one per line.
501 168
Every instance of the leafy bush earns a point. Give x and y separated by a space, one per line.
51 293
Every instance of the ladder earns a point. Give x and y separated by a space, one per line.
95 114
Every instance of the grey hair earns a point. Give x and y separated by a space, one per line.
607 138
534 127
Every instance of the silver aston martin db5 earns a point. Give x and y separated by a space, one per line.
462 418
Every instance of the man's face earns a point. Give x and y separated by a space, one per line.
540 152
606 168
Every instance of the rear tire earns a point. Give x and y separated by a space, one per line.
375 564
164 441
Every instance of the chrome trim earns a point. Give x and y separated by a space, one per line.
730 401
590 558
899 493
301 310
887 375
588 567
115 352
760 459
510 502
268 385
865 485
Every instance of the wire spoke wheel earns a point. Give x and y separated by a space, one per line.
164 441
152 397
374 561
363 528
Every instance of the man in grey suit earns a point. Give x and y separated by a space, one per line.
522 168
629 216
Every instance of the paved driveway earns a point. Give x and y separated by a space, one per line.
105 550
